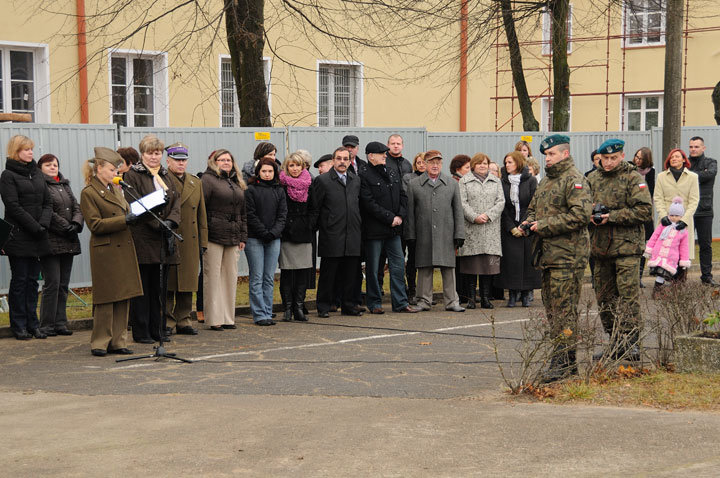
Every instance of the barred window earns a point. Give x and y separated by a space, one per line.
338 95
229 106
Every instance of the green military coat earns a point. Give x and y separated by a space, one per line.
113 261
562 207
194 231
626 194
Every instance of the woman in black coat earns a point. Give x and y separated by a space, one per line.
28 210
644 161
64 243
517 273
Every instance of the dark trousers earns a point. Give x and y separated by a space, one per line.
410 269
146 310
337 273
23 293
199 293
56 270
703 228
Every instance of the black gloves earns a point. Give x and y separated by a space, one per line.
170 243
665 221
72 229
459 243
268 237
680 225
40 231
130 218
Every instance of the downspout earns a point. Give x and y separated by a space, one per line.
82 62
463 64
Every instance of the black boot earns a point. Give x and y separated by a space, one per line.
525 298
286 293
485 291
512 298
563 364
470 291
299 287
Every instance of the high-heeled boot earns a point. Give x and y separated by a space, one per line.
286 293
299 287
485 291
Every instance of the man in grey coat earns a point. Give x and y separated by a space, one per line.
435 225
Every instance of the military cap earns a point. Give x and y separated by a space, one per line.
351 140
322 159
375 147
611 146
553 140
177 151
107 154
433 154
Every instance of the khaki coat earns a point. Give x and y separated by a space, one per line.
113 261
688 188
194 231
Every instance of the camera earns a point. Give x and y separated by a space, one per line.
525 227
598 211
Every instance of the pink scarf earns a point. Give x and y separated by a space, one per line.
297 188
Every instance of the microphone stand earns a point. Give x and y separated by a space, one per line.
160 351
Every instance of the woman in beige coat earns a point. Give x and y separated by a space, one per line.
113 261
678 180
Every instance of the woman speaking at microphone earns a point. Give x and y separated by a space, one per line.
112 253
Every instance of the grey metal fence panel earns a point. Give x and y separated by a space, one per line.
72 144
319 141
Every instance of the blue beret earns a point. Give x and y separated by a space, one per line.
611 146
553 140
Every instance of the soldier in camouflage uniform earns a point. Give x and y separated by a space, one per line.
559 213
617 239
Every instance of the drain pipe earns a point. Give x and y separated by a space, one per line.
463 64
82 62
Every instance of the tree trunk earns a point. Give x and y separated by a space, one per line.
672 98
518 74
559 10
244 23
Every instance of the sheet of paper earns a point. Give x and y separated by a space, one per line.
154 199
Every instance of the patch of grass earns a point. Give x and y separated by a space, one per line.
658 389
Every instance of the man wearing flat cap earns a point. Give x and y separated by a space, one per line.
558 214
435 226
324 163
621 206
351 143
183 277
383 207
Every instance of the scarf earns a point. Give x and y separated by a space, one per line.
481 177
665 232
515 193
297 188
157 180
676 172
644 171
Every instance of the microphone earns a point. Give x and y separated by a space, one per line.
117 180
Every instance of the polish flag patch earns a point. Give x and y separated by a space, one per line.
578 186
642 185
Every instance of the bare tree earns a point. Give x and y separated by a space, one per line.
672 98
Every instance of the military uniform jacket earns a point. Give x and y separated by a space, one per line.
435 219
194 231
113 261
624 191
562 207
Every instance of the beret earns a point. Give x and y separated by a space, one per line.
553 140
611 146
322 159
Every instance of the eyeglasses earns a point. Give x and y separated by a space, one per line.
342 159
223 160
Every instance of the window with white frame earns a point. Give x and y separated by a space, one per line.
139 92
23 78
644 22
643 113
339 94
547 114
547 32
229 106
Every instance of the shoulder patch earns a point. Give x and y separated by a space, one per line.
642 185
578 186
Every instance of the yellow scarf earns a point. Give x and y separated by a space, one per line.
156 178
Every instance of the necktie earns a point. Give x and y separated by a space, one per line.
343 179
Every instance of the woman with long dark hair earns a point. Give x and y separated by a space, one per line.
64 244
644 161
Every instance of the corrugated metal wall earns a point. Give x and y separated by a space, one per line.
73 144
319 141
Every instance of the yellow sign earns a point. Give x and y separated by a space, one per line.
262 136
527 139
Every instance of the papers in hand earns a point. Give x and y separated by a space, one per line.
152 200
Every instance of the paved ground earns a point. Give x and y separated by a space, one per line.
389 395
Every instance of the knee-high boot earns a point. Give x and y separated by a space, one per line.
298 294
286 292
469 288
485 291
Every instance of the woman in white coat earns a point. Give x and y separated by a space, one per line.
678 180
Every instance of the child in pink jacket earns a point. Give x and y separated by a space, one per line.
667 249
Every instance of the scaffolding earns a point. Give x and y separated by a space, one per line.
607 93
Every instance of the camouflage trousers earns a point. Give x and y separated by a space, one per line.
617 291
561 295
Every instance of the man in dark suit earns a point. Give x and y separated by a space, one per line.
335 197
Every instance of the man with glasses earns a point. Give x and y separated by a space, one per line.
183 277
335 197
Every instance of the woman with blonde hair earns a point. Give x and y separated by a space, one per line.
28 209
224 191
155 245
113 259
296 240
